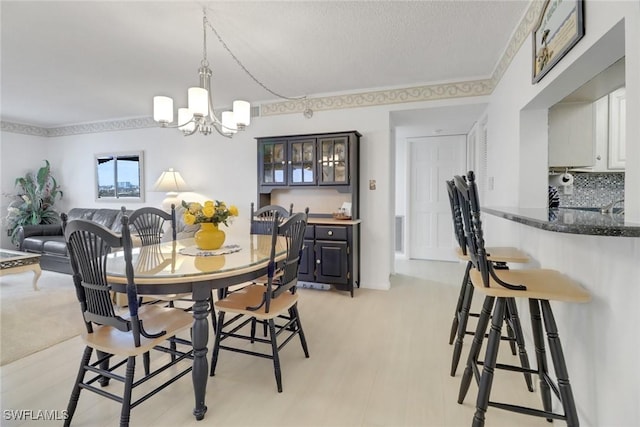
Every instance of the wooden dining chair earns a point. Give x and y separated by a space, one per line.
275 299
262 219
118 338
262 223
499 257
149 224
538 287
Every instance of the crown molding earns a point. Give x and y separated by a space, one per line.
519 36
23 129
95 127
381 97
110 126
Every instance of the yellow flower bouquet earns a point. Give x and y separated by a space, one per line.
213 211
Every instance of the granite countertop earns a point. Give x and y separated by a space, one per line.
569 220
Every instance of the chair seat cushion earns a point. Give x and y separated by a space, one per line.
54 245
250 296
154 319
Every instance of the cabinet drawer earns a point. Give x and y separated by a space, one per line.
309 232
331 232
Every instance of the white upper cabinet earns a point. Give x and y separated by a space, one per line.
571 128
601 133
589 137
609 133
617 129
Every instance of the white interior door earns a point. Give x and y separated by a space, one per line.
433 160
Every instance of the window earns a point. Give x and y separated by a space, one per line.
119 176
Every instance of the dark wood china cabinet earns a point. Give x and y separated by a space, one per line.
331 254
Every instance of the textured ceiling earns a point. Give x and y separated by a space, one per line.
75 62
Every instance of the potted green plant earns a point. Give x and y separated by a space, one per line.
34 202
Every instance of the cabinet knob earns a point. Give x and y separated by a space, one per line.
330 233
598 157
283 162
317 261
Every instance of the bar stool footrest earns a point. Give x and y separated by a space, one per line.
515 368
527 411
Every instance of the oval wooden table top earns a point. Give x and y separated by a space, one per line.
165 262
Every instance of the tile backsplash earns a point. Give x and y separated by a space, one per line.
593 190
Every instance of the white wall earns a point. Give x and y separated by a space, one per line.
223 169
20 154
600 338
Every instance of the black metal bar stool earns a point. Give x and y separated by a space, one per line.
499 257
538 286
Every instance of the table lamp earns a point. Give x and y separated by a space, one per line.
171 182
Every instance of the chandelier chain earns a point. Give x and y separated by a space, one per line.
241 65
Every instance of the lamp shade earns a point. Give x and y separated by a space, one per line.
171 181
162 109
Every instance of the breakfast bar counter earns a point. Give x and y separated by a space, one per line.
569 220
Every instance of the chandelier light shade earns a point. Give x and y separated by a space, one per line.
185 123
198 101
227 121
163 109
170 182
242 113
200 116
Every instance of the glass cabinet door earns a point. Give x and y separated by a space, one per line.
334 161
302 168
272 163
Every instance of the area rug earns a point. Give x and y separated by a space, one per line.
31 320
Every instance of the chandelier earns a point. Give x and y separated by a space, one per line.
199 116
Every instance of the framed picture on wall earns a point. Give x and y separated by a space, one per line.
559 28
120 176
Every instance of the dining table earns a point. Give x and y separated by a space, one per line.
178 266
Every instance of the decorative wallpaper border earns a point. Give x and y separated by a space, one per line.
521 34
336 102
23 129
381 97
95 127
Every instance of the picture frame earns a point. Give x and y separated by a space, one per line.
119 176
559 27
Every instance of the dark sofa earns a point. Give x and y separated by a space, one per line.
48 241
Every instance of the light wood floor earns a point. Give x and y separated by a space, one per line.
380 359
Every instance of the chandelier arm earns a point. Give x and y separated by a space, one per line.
212 114
178 125
191 132
241 65
222 133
